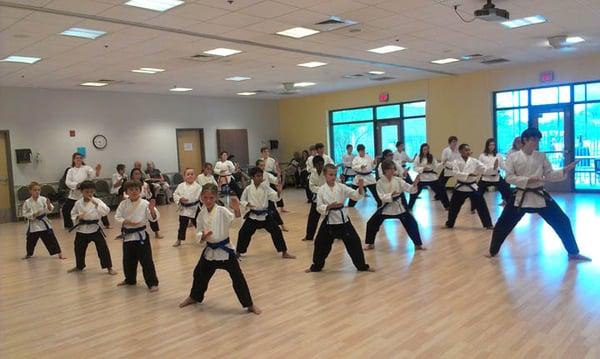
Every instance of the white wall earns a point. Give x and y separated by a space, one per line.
137 126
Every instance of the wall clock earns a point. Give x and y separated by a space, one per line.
100 142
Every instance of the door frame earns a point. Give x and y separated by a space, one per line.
389 122
202 153
11 182
569 145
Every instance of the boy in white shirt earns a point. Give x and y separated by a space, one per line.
336 224
35 210
273 182
449 155
348 173
86 215
187 197
214 222
118 179
207 175
315 181
363 166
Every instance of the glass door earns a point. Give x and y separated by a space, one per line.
555 125
388 133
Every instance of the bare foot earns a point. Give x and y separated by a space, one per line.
158 236
369 247
284 210
111 271
371 269
472 211
487 255
254 309
60 256
120 284
286 255
177 243
153 289
187 302
579 258
489 227
26 257
284 228
503 203
307 270
420 248
74 269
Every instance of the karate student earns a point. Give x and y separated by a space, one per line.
467 170
272 167
207 175
363 166
348 173
402 158
315 181
390 188
255 198
118 178
336 224
35 210
516 146
491 177
87 213
187 197
134 213
449 155
427 166
78 173
225 169
148 193
214 222
319 151
528 170
273 182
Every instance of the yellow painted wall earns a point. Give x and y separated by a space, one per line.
456 105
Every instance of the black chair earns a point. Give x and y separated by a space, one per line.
103 192
50 193
177 178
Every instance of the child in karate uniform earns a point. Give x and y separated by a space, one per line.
187 197
315 181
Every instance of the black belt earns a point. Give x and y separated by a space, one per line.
88 221
222 245
189 204
42 218
258 212
379 210
429 171
460 184
538 190
364 173
137 230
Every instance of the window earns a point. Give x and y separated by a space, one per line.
414 135
355 115
354 134
387 112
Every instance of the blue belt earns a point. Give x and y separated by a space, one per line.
42 218
189 204
222 245
138 230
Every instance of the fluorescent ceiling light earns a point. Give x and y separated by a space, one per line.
304 84
181 89
386 49
156 5
151 69
22 59
297 32
448 60
313 64
238 78
525 21
248 93
94 84
143 71
376 72
574 40
222 52
83 33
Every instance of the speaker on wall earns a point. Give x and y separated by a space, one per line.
23 155
274 144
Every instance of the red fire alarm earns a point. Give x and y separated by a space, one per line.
547 76
71 133
384 97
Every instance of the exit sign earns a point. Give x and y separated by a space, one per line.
384 97
547 76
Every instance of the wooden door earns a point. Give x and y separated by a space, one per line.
235 142
6 199
190 149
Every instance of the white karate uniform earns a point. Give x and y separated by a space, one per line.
218 221
315 181
385 189
309 162
117 178
357 164
226 168
421 166
76 175
270 164
269 179
202 179
462 169
138 211
259 198
397 172
449 156
520 166
336 194
31 206
402 158
145 193
347 163
191 192
491 174
88 211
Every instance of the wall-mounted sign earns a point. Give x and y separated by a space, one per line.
384 97
547 76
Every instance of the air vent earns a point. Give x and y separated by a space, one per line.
355 76
494 61
333 23
259 91
203 58
117 82
471 57
382 78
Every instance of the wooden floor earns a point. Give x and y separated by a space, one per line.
448 301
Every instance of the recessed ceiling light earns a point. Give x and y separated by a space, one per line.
247 93
387 49
22 59
156 5
448 60
151 69
376 72
83 33
297 32
143 71
238 78
574 40
304 84
181 89
313 64
222 52
525 21
94 84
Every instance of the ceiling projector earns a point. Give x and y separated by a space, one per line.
490 12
